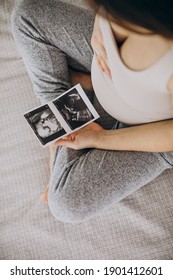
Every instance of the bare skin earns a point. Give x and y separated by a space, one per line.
80 77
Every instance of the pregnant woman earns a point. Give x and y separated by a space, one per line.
122 54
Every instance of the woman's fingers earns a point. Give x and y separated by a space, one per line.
85 137
103 65
102 60
97 43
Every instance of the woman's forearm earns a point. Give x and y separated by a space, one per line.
153 137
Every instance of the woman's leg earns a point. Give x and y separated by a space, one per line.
51 36
84 183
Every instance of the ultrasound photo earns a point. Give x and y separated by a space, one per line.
69 112
45 124
73 109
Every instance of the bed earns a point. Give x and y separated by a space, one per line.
138 227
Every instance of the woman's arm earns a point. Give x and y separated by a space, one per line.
152 137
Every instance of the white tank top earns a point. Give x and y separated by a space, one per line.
132 97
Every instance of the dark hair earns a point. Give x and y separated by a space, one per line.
154 15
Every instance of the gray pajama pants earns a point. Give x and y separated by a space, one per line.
52 37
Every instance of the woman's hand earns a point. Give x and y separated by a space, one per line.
86 137
97 44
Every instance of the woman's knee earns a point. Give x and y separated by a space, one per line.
22 14
69 208
63 212
31 12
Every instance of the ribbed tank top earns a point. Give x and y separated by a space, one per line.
132 97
